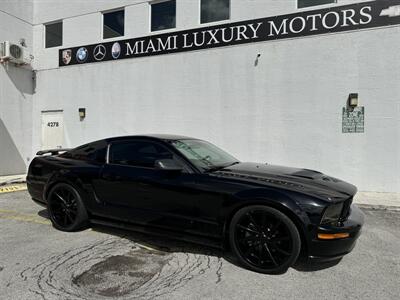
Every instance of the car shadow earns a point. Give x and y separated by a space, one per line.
170 245
303 265
167 245
44 214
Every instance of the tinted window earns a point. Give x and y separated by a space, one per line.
113 24
214 10
163 15
307 3
95 152
140 154
53 34
203 154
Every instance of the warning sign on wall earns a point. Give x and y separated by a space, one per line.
353 120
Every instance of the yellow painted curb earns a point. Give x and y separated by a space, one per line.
12 188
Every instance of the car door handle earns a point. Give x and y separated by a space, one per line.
111 177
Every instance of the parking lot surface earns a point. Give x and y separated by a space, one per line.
39 262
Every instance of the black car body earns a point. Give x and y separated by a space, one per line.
163 191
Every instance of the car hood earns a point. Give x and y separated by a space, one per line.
305 181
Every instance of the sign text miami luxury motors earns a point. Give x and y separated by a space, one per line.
336 19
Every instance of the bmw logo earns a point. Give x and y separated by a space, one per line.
116 50
81 54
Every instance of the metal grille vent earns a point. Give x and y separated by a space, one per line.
2 49
16 51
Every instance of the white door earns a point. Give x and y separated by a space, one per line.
52 129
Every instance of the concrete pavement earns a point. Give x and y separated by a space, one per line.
39 262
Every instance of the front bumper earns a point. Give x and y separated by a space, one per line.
334 249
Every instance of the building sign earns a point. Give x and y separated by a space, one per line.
353 120
335 19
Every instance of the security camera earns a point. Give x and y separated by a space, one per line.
22 42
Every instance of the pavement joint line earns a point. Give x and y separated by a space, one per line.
17 216
23 217
7 214
378 207
7 211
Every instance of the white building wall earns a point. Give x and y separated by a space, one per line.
284 110
16 90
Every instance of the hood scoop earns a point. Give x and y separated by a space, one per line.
228 173
306 173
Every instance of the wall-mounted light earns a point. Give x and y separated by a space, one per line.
257 58
353 100
82 113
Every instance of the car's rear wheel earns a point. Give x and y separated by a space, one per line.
66 209
264 239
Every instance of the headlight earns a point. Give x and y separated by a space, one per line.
332 214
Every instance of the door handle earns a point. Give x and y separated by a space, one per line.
110 177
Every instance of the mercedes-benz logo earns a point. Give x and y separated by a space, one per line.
99 52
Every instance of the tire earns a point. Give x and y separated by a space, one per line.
66 209
264 240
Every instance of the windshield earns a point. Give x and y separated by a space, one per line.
204 155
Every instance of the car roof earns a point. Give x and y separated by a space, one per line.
165 137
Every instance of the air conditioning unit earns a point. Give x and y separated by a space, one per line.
14 53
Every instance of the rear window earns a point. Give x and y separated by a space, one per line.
95 152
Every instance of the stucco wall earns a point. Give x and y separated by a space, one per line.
16 89
284 110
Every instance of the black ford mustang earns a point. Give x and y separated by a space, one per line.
190 189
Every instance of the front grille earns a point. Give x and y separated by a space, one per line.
346 209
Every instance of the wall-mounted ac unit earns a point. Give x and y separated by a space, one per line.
14 53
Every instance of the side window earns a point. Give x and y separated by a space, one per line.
95 152
163 15
53 34
214 10
113 24
138 153
101 154
308 3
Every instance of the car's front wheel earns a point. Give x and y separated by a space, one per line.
66 209
264 239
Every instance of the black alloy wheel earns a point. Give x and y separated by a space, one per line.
66 209
264 239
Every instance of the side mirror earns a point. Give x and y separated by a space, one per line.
168 165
